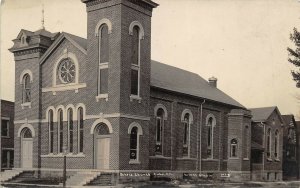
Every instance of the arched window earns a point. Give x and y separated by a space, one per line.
102 129
276 153
60 130
210 124
103 42
134 131
133 143
51 131
80 129
159 130
269 143
135 62
26 89
233 148
71 130
26 133
186 134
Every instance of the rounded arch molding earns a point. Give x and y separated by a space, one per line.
102 120
24 72
213 117
158 106
29 126
137 23
100 23
187 111
135 124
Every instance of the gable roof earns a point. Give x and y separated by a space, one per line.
289 120
163 76
78 42
178 80
262 114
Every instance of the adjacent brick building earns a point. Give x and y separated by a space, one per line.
7 135
267 131
108 107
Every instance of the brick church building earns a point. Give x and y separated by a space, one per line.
108 107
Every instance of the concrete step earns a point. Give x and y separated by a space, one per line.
102 180
9 174
81 178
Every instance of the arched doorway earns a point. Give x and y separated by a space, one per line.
102 146
26 148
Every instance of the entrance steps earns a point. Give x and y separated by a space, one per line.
82 178
103 179
9 174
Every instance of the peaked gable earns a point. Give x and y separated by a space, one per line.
78 42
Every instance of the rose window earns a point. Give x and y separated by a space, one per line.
66 71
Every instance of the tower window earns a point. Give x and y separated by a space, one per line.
133 143
103 42
26 88
135 62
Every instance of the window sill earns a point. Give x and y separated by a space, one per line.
269 159
277 160
134 162
159 157
209 159
26 104
102 96
246 159
186 158
234 158
135 97
64 87
6 137
69 155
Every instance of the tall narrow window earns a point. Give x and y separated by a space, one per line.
269 143
186 134
51 130
60 131
26 89
209 137
133 143
5 128
71 129
159 130
135 62
246 138
103 60
80 130
233 148
276 154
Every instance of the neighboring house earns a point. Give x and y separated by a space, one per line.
290 148
7 134
267 139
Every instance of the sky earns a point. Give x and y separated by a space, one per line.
241 42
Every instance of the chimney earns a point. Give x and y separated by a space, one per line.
213 81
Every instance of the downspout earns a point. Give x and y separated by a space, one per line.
200 135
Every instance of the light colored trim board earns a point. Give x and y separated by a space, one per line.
63 87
